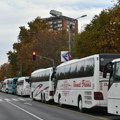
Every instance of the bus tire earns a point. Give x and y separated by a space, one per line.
59 101
80 104
22 94
42 98
45 99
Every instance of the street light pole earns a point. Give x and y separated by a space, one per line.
70 40
71 36
52 60
59 14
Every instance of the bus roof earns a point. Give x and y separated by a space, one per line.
104 55
68 62
107 55
116 60
7 79
39 70
23 77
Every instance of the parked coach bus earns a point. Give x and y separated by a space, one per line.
5 85
42 86
12 84
23 86
80 82
114 86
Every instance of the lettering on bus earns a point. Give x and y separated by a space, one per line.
86 83
103 85
65 87
75 84
83 83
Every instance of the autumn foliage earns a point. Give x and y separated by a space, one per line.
102 35
37 38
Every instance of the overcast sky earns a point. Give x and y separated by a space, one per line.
16 13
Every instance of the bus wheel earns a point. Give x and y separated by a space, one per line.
59 101
80 105
33 99
42 98
45 99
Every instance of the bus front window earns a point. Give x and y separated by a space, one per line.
117 72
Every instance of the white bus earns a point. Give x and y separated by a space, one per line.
6 85
23 86
42 84
80 82
114 86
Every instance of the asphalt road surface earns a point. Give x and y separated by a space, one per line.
22 108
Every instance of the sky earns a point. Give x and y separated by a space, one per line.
16 13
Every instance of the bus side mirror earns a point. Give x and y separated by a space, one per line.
53 76
108 68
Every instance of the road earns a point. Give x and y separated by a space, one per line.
21 108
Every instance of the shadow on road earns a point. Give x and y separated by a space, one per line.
98 112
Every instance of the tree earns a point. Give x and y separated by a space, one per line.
101 35
5 71
37 38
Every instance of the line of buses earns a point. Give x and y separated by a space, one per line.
16 85
93 81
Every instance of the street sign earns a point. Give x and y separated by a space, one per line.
65 56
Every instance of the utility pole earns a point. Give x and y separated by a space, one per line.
71 35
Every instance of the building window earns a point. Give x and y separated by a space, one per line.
59 28
59 25
50 22
60 21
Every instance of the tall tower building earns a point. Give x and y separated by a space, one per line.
62 23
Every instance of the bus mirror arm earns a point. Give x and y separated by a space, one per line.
53 75
104 74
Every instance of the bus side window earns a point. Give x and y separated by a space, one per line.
62 73
80 69
73 70
67 72
89 67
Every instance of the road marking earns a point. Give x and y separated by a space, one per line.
27 104
22 99
28 99
25 111
6 99
14 99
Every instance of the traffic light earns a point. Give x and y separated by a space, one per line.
34 56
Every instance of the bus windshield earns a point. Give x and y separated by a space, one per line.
117 72
105 59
